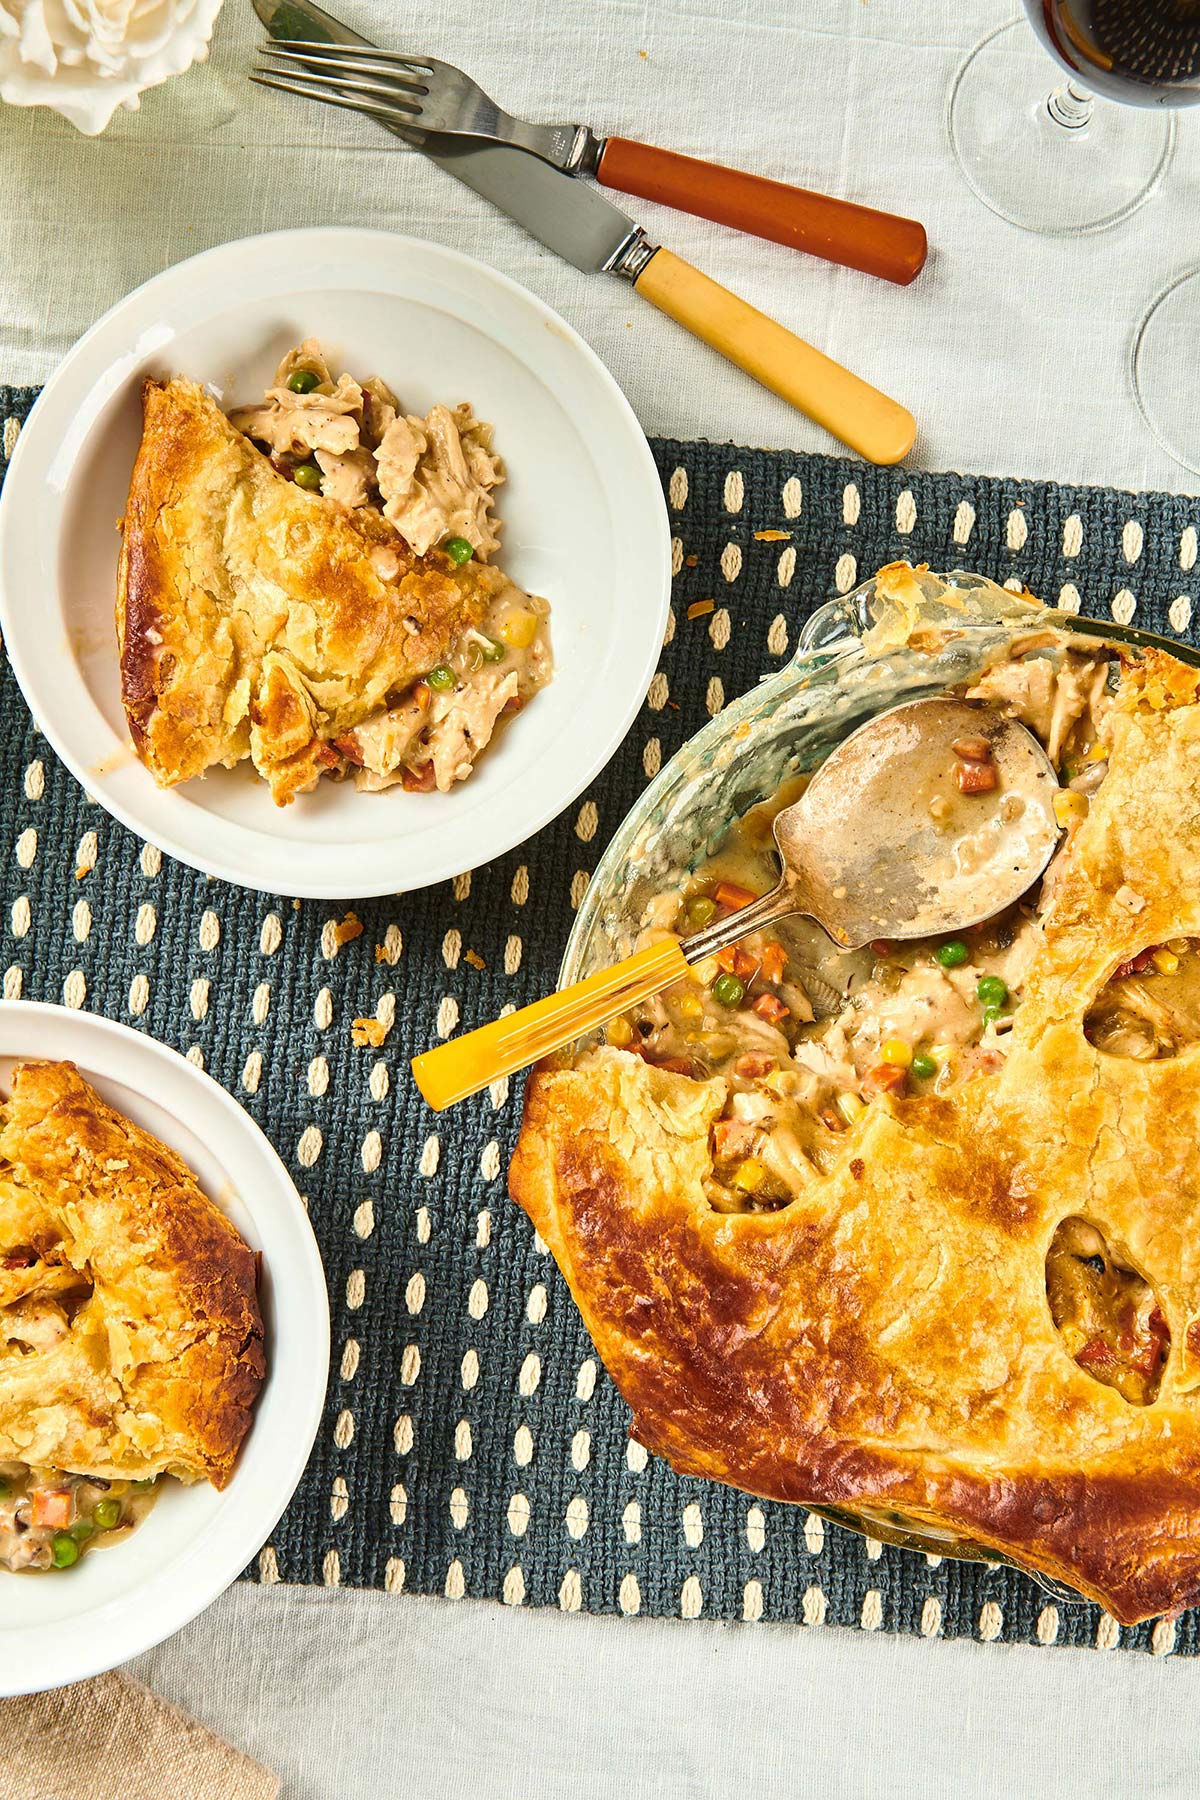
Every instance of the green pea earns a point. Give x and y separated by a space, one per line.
107 1514
442 677
82 1530
494 651
924 1067
458 550
991 991
63 1550
5 1490
701 910
303 381
952 954
307 475
728 990
144 1486
992 1014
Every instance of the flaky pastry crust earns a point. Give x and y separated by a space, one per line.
131 1341
884 1343
257 620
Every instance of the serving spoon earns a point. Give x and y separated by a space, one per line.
928 819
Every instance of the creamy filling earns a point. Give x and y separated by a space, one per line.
1106 1313
48 1518
805 1034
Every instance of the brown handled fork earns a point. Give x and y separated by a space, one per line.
440 99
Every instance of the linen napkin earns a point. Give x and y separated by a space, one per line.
112 1736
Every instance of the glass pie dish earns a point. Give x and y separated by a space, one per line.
854 661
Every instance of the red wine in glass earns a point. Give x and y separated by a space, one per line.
1139 52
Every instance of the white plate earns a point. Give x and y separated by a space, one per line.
116 1603
585 522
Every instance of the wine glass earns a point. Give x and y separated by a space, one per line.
1059 161
1065 163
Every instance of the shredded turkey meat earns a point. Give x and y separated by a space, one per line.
433 477
436 477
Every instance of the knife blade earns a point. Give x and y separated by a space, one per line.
578 224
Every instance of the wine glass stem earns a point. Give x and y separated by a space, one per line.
1070 106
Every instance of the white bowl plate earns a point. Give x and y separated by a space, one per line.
585 525
115 1603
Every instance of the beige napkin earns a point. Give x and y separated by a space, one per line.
112 1736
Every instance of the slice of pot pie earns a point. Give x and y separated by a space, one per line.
258 618
931 1260
131 1340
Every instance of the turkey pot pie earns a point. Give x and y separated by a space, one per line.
914 1232
131 1340
305 584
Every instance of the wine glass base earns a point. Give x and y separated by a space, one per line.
1043 176
1164 359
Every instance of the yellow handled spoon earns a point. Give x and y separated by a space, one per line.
928 819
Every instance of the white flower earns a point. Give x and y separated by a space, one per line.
85 58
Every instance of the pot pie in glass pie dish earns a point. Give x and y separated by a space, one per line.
911 1234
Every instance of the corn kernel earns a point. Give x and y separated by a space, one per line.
897 1052
620 1033
689 1006
1165 961
519 629
749 1175
851 1107
1069 805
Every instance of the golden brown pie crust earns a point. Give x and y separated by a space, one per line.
257 620
885 1341
106 1230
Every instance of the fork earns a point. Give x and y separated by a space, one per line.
440 99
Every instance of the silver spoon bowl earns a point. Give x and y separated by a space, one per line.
884 843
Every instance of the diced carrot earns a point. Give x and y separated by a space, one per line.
975 778
728 893
768 1007
326 754
886 1078
972 749
420 780
1096 1355
678 1065
421 693
349 748
727 957
732 1137
752 1067
52 1507
774 960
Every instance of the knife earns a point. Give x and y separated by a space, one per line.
580 225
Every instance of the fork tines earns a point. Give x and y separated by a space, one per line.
325 78
393 111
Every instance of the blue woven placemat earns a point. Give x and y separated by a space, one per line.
471 1442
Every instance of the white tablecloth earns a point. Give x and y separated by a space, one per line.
1013 353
